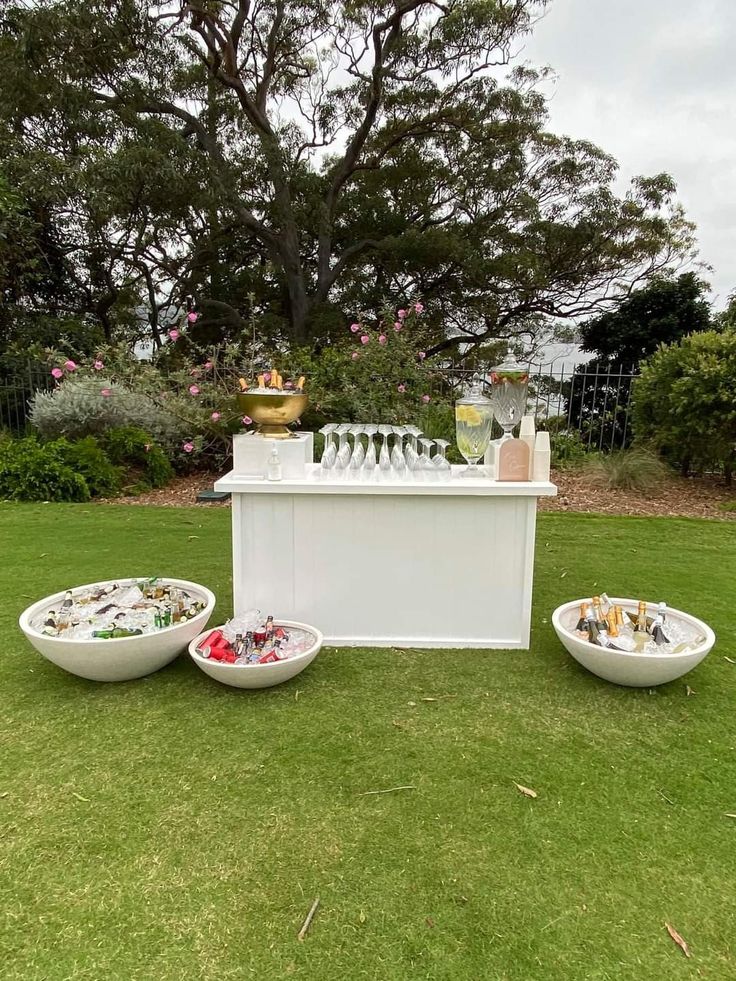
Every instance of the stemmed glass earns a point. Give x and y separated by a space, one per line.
439 459
384 457
424 464
358 455
412 457
369 462
344 451
397 453
330 450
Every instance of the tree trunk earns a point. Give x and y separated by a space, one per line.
299 302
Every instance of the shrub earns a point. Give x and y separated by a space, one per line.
77 408
32 471
568 450
628 470
134 448
87 458
685 402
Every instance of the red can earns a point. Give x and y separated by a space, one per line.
268 658
215 639
259 637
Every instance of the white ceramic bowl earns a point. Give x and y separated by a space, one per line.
626 667
119 658
258 675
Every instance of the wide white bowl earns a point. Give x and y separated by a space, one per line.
258 675
626 667
119 658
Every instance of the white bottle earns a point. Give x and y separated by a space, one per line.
526 435
274 463
540 467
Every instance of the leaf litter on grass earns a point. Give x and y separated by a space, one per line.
681 943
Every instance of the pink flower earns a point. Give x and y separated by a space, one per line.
192 317
267 377
207 365
401 388
70 366
98 366
355 328
57 372
425 399
174 334
418 307
382 338
402 314
422 355
215 416
364 339
355 355
193 390
398 325
247 420
187 447
105 392
288 384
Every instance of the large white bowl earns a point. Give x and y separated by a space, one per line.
625 667
258 675
119 658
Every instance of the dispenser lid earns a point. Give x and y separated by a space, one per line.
510 371
475 396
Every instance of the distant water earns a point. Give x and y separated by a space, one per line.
561 357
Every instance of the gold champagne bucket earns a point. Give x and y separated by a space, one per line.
273 413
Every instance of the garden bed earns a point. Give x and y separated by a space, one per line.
693 497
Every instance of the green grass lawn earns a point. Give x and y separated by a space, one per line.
172 828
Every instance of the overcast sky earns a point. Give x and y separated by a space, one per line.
653 82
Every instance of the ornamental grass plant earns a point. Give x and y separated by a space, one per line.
638 470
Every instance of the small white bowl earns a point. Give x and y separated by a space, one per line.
258 675
119 658
629 667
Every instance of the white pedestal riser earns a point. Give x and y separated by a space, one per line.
251 453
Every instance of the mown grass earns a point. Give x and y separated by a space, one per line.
171 828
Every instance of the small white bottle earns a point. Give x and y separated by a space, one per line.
274 463
540 467
526 435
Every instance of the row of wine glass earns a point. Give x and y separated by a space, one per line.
398 453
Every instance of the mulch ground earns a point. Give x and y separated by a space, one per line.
694 497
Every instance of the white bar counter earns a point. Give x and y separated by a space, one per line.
427 564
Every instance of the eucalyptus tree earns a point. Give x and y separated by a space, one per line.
325 157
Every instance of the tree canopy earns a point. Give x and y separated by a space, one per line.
660 313
311 160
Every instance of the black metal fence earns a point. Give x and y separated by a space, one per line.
591 400
18 384
588 399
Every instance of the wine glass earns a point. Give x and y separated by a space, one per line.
412 457
440 460
424 464
330 450
384 457
344 451
358 455
397 453
369 461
